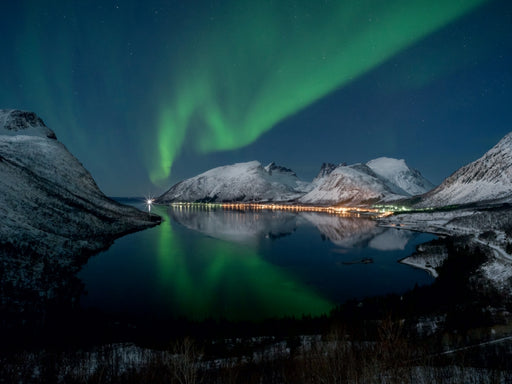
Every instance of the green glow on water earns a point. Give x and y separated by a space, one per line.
249 67
219 279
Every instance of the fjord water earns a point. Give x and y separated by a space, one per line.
248 265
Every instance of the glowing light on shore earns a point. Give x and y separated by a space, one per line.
335 210
149 203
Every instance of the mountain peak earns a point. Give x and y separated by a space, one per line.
502 147
326 169
387 162
396 173
273 167
15 122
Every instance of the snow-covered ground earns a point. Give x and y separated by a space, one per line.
437 222
485 227
499 273
427 257
185 363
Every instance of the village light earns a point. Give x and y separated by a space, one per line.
149 202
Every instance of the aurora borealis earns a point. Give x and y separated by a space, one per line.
145 94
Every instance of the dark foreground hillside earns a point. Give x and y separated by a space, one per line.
456 330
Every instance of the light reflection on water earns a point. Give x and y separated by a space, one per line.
248 265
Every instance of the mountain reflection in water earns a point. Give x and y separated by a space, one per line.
250 227
248 265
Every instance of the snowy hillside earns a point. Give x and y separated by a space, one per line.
238 182
349 185
486 179
49 203
398 174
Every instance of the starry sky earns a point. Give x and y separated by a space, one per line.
147 93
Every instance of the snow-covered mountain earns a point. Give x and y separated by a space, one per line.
397 173
244 182
49 204
487 179
349 185
381 179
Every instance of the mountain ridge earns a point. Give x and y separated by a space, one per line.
487 179
355 184
385 180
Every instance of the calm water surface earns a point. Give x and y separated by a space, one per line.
203 263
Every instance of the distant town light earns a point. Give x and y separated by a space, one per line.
149 202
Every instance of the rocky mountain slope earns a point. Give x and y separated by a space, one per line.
244 182
49 203
487 179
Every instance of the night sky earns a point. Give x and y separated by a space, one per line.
147 93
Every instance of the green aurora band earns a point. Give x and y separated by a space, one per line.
253 64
